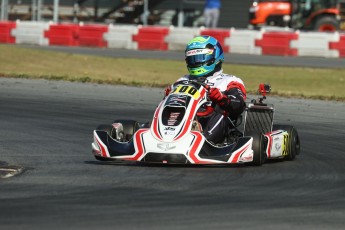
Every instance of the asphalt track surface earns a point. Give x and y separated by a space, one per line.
46 128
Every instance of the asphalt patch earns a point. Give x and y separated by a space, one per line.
7 171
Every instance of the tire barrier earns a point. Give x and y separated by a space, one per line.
151 38
243 41
31 33
63 35
6 32
92 35
178 37
120 37
220 35
339 45
277 43
315 44
269 41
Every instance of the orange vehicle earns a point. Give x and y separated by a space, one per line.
320 15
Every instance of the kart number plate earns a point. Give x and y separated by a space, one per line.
190 90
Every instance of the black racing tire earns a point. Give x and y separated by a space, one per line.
258 147
293 141
129 127
327 24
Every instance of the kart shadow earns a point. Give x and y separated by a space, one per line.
274 161
161 165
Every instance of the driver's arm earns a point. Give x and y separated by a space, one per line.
232 100
234 103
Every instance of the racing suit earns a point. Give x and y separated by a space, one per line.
214 116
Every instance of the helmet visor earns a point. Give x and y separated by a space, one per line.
199 57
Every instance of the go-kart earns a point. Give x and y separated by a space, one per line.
175 136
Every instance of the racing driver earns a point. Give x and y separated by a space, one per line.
204 58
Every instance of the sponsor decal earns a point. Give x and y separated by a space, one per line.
278 146
169 133
207 82
199 51
247 158
185 82
173 118
169 129
165 146
176 99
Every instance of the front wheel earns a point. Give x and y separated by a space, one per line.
258 147
293 143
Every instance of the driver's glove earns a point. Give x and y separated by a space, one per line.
217 96
167 90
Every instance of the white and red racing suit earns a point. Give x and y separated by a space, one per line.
214 117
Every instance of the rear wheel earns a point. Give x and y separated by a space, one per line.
327 24
258 147
293 140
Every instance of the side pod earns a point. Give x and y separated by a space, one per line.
111 148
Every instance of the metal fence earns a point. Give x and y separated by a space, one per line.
154 12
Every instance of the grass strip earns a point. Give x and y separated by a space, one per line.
18 62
